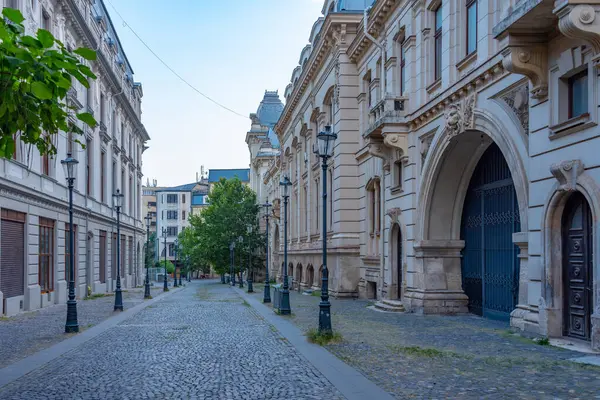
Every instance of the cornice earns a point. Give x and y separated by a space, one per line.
333 32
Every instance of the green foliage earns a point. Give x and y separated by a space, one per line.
323 338
170 266
543 341
35 75
232 208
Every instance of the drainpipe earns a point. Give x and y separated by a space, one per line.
381 49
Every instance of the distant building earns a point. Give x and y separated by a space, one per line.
214 175
149 202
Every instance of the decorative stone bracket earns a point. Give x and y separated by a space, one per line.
581 21
393 213
567 172
530 60
460 116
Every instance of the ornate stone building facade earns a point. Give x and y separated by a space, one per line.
33 193
465 176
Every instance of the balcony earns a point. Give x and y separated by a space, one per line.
72 98
389 112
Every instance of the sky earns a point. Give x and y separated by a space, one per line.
231 51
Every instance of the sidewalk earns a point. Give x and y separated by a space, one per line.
30 332
424 357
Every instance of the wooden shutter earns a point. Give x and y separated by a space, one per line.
12 256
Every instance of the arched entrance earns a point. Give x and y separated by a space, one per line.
490 264
396 261
577 267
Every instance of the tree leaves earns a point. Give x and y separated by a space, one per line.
45 38
88 54
87 118
13 15
35 76
41 90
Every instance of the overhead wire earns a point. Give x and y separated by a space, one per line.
125 24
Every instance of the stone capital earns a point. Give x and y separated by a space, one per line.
531 60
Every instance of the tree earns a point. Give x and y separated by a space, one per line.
170 266
231 209
35 75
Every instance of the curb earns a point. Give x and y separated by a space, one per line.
351 383
22 367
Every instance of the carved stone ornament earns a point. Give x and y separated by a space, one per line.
460 116
394 213
517 100
567 172
425 145
581 21
530 60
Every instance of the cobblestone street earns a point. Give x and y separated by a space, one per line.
201 342
439 357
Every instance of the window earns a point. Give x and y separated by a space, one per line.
402 70
438 43
102 259
46 255
45 164
330 198
130 252
114 257
102 107
471 26
305 209
88 168
171 250
130 208
397 174
114 177
172 231
68 251
172 199
46 21
103 177
123 135
123 251
374 219
172 214
183 215
151 204
317 201
578 94
183 198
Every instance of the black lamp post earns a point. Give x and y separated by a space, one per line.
324 150
148 219
69 164
284 308
231 269
176 248
189 272
241 240
118 200
165 285
183 262
250 269
267 294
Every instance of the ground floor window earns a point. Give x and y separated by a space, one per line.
46 255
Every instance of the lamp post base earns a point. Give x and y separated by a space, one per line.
72 326
165 286
147 290
267 295
324 317
118 300
284 308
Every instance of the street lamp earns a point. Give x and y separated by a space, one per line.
231 256
326 141
250 269
70 164
176 249
118 202
165 285
267 295
284 308
148 219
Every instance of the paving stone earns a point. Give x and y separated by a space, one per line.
202 342
31 332
439 357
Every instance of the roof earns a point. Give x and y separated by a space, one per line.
269 109
214 175
188 187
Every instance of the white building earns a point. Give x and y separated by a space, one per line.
33 192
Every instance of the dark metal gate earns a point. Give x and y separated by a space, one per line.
490 265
